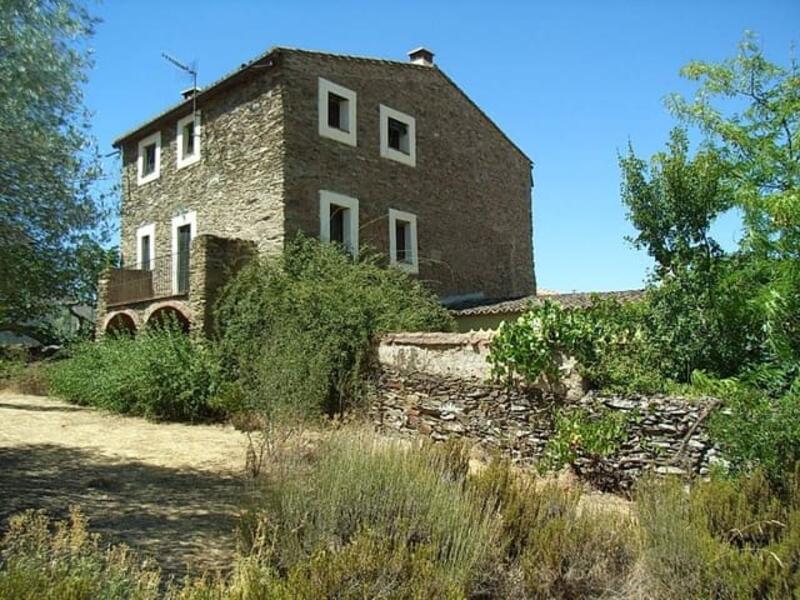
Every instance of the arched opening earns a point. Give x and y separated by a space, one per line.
121 324
168 316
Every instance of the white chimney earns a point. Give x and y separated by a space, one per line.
421 56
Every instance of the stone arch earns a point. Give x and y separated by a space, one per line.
164 311
123 321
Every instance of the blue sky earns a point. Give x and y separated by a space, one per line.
571 82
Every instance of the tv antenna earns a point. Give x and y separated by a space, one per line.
191 70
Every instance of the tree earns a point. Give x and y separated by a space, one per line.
51 215
760 146
672 202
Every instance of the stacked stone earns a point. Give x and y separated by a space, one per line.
519 422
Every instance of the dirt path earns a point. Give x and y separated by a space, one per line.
170 491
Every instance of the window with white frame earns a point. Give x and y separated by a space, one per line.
184 230
398 136
337 112
338 220
149 159
145 247
188 140
403 240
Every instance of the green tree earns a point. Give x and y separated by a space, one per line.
51 214
760 146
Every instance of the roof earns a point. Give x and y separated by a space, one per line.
275 50
571 300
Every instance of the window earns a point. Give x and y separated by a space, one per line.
338 219
188 140
149 159
337 112
403 240
184 230
145 246
398 136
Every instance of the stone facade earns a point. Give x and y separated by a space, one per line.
263 164
441 398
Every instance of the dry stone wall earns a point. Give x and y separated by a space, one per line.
420 398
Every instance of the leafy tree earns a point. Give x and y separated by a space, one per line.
50 213
760 146
672 202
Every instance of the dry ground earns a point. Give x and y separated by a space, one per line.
170 491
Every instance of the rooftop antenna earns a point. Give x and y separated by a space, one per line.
191 71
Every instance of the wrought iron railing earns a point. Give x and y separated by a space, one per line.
163 276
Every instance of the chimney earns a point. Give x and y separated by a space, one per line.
189 92
421 56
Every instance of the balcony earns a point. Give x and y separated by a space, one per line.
166 276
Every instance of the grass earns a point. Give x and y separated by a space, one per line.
360 516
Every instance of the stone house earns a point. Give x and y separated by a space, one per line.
374 153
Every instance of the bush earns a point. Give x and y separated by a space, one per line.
161 373
721 539
63 561
296 330
407 497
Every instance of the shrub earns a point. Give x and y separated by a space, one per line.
296 330
580 436
554 547
63 561
407 497
161 373
721 538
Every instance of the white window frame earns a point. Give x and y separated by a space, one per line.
387 113
187 218
150 139
326 199
146 230
185 161
326 87
411 219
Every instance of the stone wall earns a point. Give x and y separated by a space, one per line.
214 261
430 398
470 189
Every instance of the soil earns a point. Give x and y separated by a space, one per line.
170 491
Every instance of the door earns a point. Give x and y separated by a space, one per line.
184 244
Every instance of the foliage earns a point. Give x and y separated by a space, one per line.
161 373
608 339
721 539
756 430
68 563
296 330
50 213
672 202
536 344
404 496
580 435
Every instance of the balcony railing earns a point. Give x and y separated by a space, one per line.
163 276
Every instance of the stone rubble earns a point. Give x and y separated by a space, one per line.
518 422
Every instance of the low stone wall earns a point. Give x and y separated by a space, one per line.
433 391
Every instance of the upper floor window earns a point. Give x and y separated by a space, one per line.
337 112
149 159
188 140
403 240
398 136
338 220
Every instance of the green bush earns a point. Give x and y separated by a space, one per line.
296 330
161 373
63 561
724 538
553 547
408 497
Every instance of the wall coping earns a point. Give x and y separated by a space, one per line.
437 338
